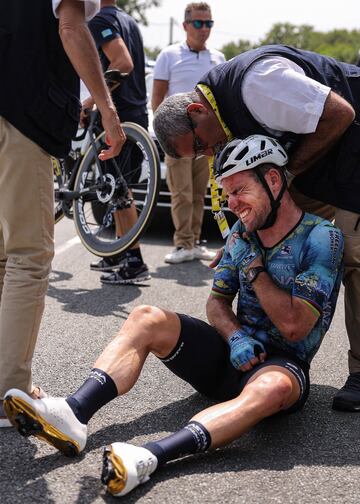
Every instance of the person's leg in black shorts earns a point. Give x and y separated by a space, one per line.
195 352
201 357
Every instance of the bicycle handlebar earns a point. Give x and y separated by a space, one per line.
114 78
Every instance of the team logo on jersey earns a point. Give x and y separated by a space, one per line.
106 33
285 250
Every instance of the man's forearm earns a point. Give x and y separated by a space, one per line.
291 317
80 48
160 89
337 116
221 316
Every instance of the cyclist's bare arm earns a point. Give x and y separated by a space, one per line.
80 48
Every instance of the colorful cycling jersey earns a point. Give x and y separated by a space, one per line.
307 263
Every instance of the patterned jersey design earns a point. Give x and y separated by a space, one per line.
307 263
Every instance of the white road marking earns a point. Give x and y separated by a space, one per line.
67 245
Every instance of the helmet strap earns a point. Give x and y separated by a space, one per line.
275 203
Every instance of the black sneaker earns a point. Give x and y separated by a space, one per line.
127 274
107 263
348 397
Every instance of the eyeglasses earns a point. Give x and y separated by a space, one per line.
198 146
199 23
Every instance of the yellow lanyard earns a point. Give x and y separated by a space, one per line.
217 194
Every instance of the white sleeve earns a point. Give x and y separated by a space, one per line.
281 97
162 67
92 7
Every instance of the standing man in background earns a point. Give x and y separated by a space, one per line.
178 68
43 46
119 42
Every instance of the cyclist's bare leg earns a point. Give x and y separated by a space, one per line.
268 391
147 329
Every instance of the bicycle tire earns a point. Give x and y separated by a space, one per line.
100 237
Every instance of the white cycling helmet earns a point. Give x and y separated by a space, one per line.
240 155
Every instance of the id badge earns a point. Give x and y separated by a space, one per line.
222 223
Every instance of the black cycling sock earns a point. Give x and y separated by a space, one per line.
134 257
94 393
193 438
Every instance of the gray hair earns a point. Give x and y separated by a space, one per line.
171 120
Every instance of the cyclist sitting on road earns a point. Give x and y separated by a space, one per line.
285 265
119 42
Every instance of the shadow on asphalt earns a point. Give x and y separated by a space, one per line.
161 228
97 301
317 436
192 274
100 301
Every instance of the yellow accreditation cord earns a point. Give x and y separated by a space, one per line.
217 194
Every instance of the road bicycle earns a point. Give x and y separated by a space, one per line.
92 192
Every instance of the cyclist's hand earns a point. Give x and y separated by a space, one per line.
217 258
244 251
245 351
114 135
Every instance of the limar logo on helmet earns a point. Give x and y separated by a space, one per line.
258 156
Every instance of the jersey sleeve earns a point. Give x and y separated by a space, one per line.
321 265
281 97
91 8
226 281
102 31
162 67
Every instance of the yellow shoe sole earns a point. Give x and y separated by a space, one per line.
114 474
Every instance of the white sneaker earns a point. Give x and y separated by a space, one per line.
179 255
50 419
202 252
126 466
37 393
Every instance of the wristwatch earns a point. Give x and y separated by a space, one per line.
252 273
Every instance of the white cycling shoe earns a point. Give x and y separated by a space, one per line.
50 419
126 466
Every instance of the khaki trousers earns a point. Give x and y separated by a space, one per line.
26 251
187 180
349 223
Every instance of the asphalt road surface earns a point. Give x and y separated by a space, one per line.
309 457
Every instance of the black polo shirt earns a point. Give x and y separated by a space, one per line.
111 23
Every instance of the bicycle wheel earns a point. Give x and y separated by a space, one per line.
139 164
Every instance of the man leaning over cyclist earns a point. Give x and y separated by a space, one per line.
287 266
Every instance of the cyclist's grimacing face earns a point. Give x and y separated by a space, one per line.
247 199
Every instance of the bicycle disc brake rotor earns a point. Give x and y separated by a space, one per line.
105 195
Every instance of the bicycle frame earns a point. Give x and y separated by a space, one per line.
66 193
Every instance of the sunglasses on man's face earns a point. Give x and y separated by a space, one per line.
199 23
198 146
